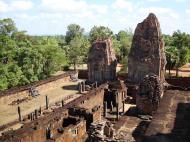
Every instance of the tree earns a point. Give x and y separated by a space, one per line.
73 31
25 59
54 59
177 50
3 78
77 51
21 39
180 39
167 40
125 40
7 27
172 57
100 32
77 45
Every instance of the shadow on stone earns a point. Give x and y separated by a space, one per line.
70 87
132 111
179 133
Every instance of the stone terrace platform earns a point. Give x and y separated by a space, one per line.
171 123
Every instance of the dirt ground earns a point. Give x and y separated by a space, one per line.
9 113
84 67
184 71
181 73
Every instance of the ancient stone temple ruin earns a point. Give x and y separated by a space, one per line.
147 51
146 64
101 62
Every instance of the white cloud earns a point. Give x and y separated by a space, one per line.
79 10
74 6
123 4
160 11
21 5
153 0
101 9
64 5
180 1
18 5
3 6
188 11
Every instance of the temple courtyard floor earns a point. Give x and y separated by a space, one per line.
67 92
169 124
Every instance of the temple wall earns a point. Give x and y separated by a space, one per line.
35 131
179 81
6 97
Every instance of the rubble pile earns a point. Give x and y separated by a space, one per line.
102 132
150 94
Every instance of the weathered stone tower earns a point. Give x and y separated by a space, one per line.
147 51
101 62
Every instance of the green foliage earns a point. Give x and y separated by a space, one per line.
100 32
25 59
7 27
124 62
172 57
124 39
73 31
78 45
177 50
184 56
180 39
167 40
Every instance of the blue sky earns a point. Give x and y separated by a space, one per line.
42 17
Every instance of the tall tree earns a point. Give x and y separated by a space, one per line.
78 45
73 31
100 32
125 39
7 27
172 57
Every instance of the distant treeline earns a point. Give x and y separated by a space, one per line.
26 59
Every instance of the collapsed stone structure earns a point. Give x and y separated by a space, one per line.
102 132
102 62
147 51
114 98
150 94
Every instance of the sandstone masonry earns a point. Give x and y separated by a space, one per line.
102 62
147 51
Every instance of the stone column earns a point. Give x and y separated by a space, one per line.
123 106
80 87
36 114
19 114
83 86
111 106
31 116
40 110
47 102
62 102
117 97
117 111
105 109
96 84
